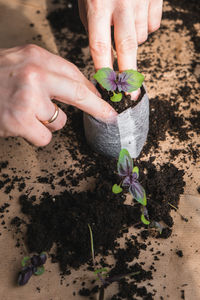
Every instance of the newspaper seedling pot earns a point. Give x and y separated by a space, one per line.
127 130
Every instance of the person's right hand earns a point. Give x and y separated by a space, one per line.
30 77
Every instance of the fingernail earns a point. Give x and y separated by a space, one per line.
135 95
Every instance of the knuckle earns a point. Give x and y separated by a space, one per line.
81 92
97 9
127 45
29 73
23 100
33 51
124 5
99 47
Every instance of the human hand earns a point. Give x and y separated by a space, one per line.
133 20
30 77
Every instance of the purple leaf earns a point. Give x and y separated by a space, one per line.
126 181
38 260
129 81
125 163
25 275
122 83
106 77
138 192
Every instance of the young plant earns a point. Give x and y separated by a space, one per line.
31 265
127 81
129 175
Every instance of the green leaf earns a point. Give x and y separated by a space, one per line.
25 261
40 270
91 243
144 220
102 270
136 170
134 80
106 78
116 97
116 189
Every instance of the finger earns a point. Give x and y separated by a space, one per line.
63 67
141 21
99 28
76 93
126 43
36 133
46 110
155 15
125 39
56 64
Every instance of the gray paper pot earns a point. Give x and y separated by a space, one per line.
127 130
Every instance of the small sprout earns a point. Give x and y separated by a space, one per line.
136 170
176 209
31 265
144 220
103 271
40 270
157 226
116 97
25 261
116 189
130 176
127 81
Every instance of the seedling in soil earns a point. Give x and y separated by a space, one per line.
127 81
176 209
102 273
31 265
130 175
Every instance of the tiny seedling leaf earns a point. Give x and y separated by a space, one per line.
138 193
125 163
116 189
40 270
25 261
144 220
136 170
102 270
117 97
129 81
106 77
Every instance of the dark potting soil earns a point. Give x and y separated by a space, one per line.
125 102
